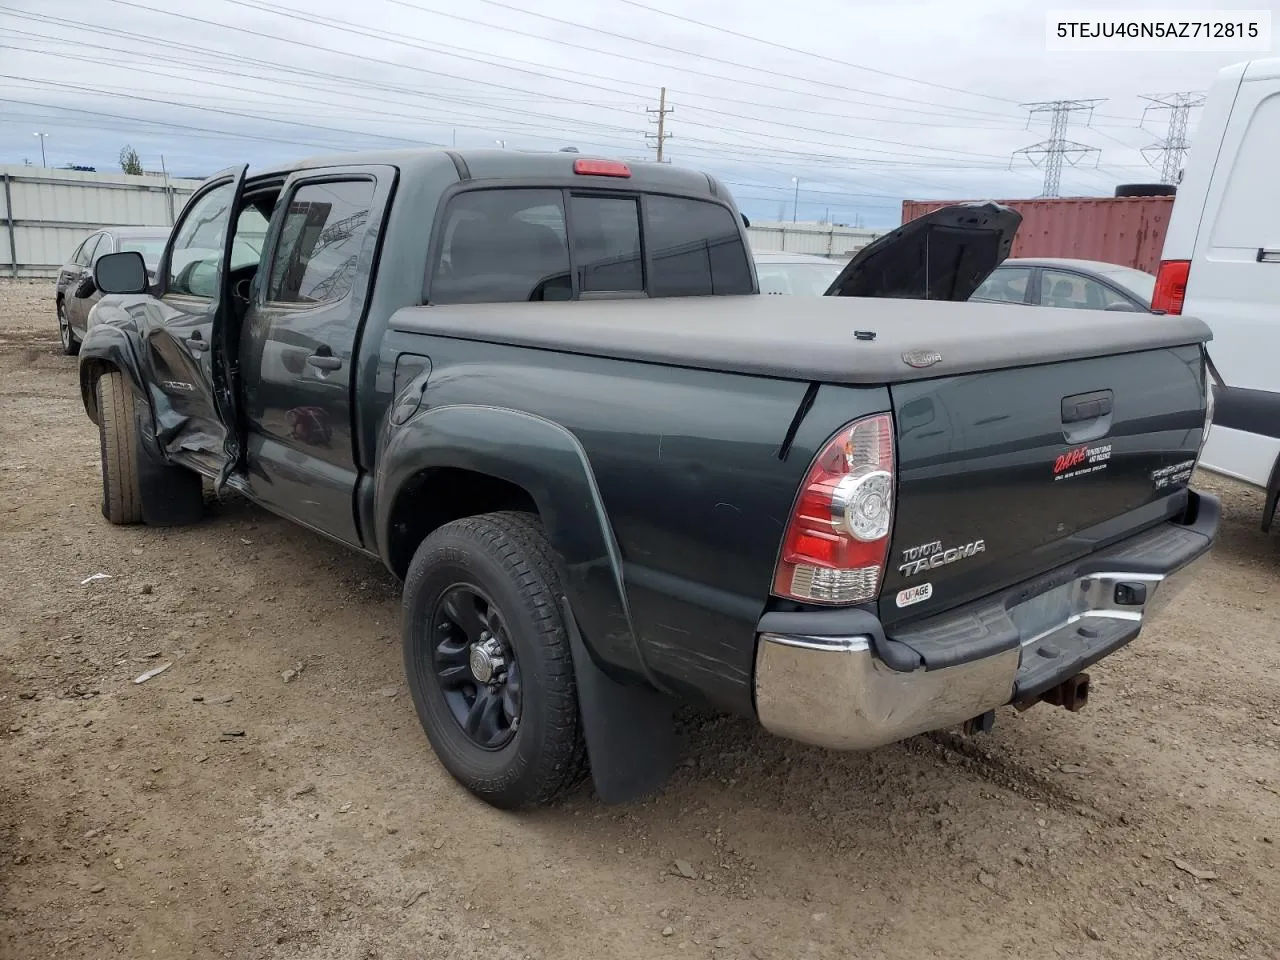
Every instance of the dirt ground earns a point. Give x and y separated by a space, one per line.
229 808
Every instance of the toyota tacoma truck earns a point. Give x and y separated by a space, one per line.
544 391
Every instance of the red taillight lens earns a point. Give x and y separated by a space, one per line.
838 538
601 168
1171 286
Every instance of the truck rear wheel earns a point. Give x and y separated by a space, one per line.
488 661
118 443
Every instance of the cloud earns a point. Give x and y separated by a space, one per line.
873 102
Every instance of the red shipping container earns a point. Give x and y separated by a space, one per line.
1124 230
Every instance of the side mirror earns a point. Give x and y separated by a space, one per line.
121 273
86 288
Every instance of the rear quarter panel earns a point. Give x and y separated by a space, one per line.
686 462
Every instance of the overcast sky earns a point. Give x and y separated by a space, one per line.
879 100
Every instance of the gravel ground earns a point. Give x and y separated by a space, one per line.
220 810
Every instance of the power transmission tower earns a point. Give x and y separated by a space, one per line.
1052 152
661 137
1173 148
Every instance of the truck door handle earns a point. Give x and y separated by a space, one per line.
196 343
323 359
1268 256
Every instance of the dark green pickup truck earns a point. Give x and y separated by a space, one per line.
543 390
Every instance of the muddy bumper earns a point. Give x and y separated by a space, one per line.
833 678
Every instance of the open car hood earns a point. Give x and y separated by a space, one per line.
943 255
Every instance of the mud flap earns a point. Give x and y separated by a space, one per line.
171 496
630 731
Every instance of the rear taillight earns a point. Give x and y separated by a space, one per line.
838 538
1171 286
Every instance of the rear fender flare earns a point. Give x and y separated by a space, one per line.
549 463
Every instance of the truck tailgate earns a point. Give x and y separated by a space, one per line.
1007 474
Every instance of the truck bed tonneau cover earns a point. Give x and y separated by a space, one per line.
808 338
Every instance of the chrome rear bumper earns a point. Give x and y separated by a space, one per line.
835 692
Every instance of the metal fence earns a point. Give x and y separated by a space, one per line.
823 239
45 213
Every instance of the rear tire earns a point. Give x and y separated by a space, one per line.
118 440
70 345
533 751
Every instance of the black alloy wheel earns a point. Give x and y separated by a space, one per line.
474 663
486 654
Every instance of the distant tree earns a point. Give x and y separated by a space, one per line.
129 161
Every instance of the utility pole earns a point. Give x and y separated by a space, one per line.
661 137
795 204
1052 152
1173 148
168 189
43 163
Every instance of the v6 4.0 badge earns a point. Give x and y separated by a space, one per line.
1080 461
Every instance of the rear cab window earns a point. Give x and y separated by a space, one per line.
512 244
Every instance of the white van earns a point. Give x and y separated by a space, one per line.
1221 263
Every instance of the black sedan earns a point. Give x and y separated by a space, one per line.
76 294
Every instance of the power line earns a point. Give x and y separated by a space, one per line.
1057 148
717 149
719 127
240 63
506 61
805 53
207 80
97 30
230 113
186 128
1173 148
721 147
754 69
380 62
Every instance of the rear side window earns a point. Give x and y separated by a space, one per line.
1058 289
606 244
1007 284
320 241
503 246
695 249
84 256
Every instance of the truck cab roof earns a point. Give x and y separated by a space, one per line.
515 165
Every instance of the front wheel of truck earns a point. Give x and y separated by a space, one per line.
488 662
137 487
118 444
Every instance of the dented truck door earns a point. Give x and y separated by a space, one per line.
191 291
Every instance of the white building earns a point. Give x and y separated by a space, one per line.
823 239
